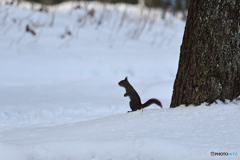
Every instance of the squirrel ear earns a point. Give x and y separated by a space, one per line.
126 78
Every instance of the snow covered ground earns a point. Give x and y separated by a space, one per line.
59 93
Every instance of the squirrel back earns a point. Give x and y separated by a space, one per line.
135 101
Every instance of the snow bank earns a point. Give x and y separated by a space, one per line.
181 133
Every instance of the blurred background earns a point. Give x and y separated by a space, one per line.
148 3
167 5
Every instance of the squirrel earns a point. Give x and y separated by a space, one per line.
135 101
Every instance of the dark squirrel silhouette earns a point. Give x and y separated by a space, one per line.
135 101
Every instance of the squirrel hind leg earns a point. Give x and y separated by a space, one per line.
132 111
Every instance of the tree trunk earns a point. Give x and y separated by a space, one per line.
209 64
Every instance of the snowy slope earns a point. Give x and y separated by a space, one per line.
59 97
182 133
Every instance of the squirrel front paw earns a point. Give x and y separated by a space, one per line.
125 95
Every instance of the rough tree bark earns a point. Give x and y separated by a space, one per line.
209 64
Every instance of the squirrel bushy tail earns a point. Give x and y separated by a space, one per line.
151 101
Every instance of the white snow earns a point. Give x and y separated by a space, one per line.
60 99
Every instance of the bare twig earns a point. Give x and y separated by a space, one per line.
30 30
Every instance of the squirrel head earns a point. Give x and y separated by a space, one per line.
123 83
